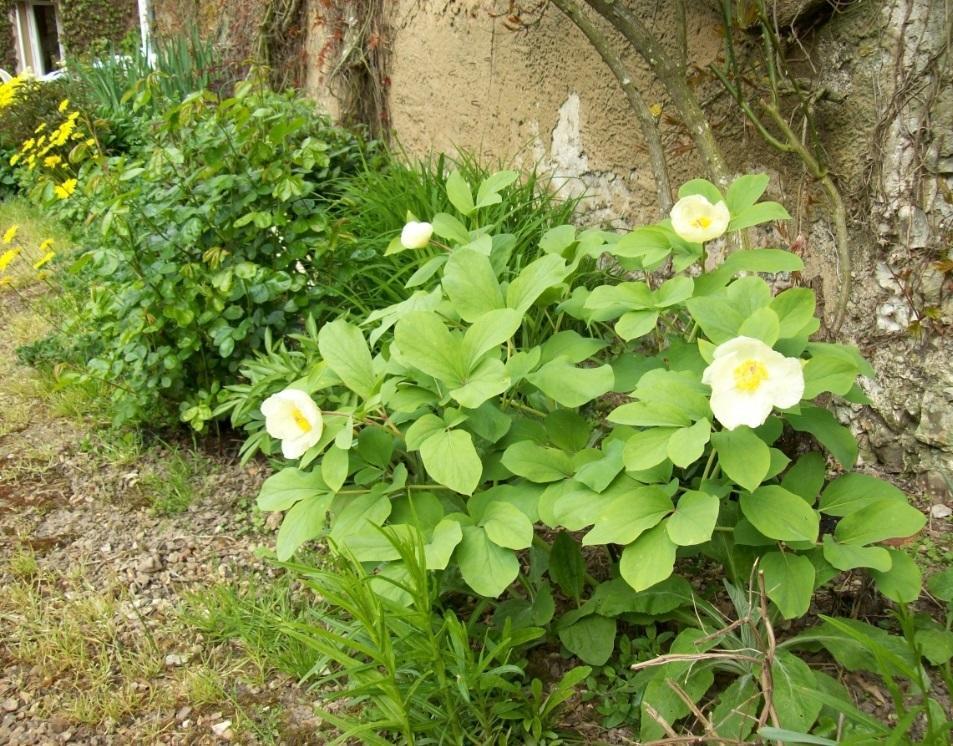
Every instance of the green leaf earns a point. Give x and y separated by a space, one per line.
834 374
282 490
635 324
941 585
487 568
572 386
375 446
459 194
647 448
687 444
770 733
488 332
936 644
703 187
345 351
537 463
763 324
304 521
625 518
425 426
615 597
567 567
557 240
426 344
570 345
446 536
490 188
591 639
451 459
743 456
507 526
745 191
848 556
851 492
598 474
648 560
788 581
781 515
359 516
735 712
902 582
535 279
568 430
763 212
448 227
792 678
795 310
486 381
334 468
693 521
879 521
806 477
829 433
471 284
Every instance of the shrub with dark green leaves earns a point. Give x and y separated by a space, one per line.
214 233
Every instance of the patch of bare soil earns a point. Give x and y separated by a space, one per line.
93 649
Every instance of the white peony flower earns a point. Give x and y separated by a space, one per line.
696 219
416 235
292 417
748 378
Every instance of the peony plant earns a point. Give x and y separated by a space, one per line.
597 433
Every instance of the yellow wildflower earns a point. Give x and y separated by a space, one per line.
47 258
28 145
52 161
39 129
10 234
656 110
46 245
8 256
15 159
91 141
8 91
64 105
65 189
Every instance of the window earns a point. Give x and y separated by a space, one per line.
47 52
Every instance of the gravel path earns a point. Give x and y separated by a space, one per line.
93 647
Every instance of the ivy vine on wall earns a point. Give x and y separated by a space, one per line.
8 49
94 25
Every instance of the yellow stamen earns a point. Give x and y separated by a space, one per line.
702 221
300 420
750 375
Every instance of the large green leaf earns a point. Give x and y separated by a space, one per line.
361 514
572 386
489 331
629 515
743 456
592 639
535 279
647 448
345 350
490 188
829 433
792 679
849 493
459 194
806 477
649 559
693 521
471 284
828 373
848 556
282 490
615 597
567 567
507 526
487 380
537 463
795 310
304 521
487 568
451 459
426 343
789 582
881 520
446 536
902 582
687 444
334 468
745 191
781 515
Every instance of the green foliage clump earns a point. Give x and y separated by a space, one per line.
521 418
212 233
95 26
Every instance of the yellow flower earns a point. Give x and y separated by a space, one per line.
65 189
46 245
8 91
696 219
10 234
15 159
656 110
8 256
748 379
64 105
47 258
52 161
91 141
28 145
39 129
292 417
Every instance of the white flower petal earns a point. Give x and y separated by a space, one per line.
696 219
733 408
786 377
416 235
292 417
